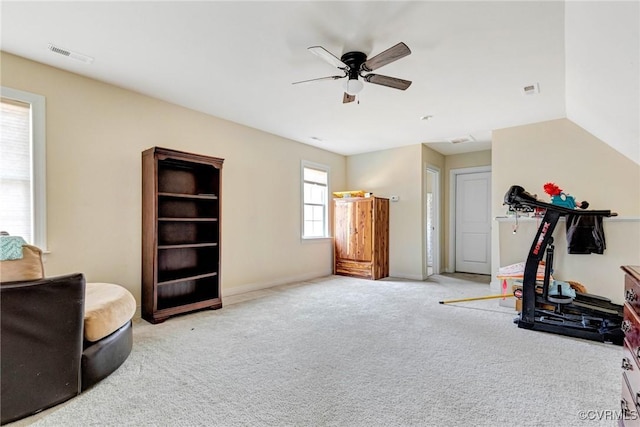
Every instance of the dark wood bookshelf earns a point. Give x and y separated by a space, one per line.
180 233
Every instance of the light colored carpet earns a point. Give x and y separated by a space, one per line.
339 351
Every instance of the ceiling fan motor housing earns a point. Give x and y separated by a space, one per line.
354 61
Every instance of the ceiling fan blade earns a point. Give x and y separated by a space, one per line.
328 56
388 81
320 79
388 56
348 98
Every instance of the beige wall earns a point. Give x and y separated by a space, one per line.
559 151
468 160
95 135
395 172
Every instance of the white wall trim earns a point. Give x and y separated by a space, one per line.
256 286
437 203
453 174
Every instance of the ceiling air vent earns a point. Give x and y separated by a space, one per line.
531 89
68 53
461 139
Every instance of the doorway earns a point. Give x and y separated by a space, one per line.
432 209
470 219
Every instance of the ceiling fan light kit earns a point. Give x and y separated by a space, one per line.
353 86
355 65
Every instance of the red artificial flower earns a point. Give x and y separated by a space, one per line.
551 189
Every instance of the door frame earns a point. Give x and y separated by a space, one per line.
435 256
453 177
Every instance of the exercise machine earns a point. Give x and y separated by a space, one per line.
586 316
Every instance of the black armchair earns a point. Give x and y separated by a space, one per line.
41 329
45 355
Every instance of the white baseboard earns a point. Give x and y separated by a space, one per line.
249 287
406 276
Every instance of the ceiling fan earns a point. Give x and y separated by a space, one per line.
356 64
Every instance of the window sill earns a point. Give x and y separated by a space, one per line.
316 239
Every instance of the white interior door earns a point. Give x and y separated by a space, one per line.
473 223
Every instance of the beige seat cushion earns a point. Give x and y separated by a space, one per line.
28 268
106 308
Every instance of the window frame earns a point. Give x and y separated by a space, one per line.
38 161
305 164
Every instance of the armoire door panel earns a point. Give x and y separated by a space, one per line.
342 229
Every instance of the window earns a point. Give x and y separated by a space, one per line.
315 188
22 166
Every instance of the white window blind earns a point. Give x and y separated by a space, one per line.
22 211
15 169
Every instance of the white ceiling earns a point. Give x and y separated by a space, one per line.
237 60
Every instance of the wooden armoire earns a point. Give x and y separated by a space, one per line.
361 236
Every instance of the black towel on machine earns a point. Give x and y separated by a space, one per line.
585 234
